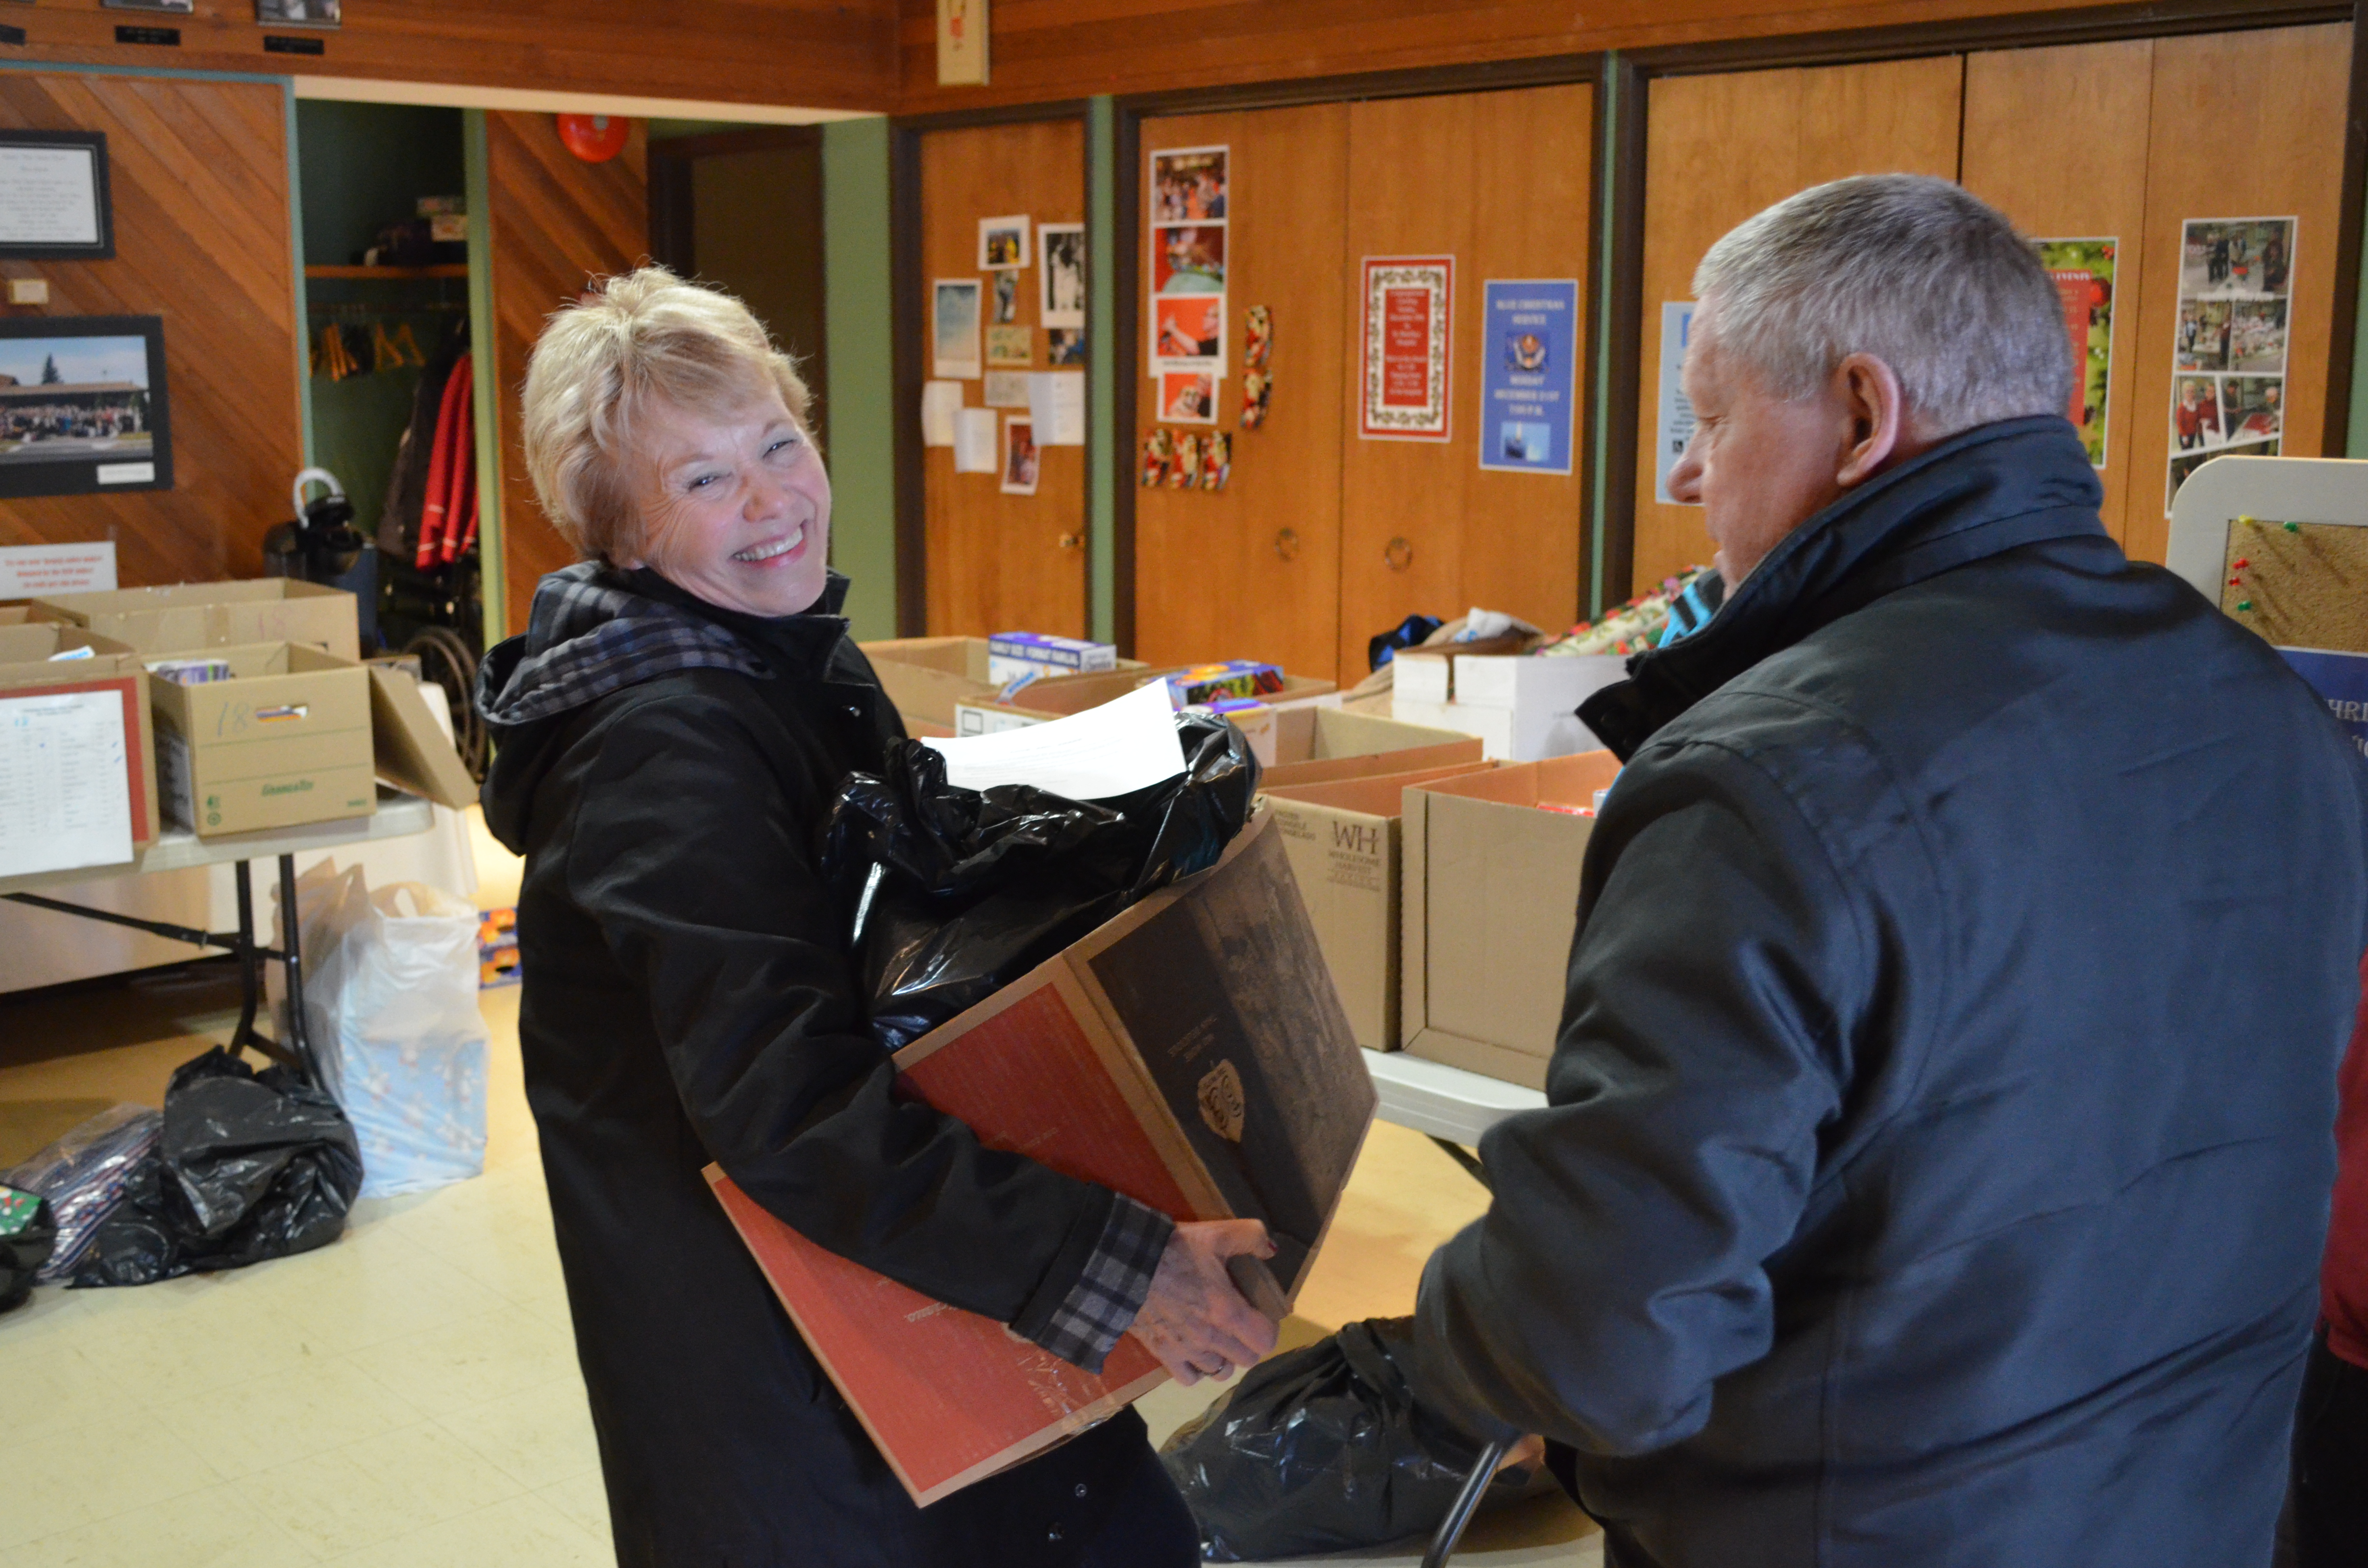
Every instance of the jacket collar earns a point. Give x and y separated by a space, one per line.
801 645
1991 489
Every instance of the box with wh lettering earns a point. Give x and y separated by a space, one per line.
1342 837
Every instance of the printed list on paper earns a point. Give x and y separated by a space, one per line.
62 776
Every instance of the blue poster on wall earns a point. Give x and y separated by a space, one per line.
2341 682
1529 374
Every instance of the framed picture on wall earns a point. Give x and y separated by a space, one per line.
53 202
178 8
299 13
83 405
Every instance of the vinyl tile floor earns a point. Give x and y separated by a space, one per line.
409 1395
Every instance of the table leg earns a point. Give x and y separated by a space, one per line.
291 959
1465 1157
250 962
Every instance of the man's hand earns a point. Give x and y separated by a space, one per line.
1194 1319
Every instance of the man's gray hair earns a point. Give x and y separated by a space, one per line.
1911 269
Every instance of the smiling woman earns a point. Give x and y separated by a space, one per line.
673 729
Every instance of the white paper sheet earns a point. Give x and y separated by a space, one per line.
49 196
976 435
1006 389
64 797
940 402
1122 746
39 571
1674 428
1056 404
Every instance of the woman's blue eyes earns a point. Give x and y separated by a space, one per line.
704 479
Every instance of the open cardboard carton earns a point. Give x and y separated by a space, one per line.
1177 1053
1058 696
217 615
1326 746
296 735
1343 838
28 669
925 676
1490 881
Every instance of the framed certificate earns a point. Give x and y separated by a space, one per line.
53 202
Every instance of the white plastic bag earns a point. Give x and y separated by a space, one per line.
390 1003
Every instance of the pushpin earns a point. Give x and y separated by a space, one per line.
2243 604
2242 564
2294 528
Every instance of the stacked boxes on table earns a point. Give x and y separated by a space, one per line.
1490 871
1522 706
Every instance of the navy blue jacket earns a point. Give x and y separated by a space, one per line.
1941 1126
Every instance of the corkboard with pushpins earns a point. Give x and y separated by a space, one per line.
2299 585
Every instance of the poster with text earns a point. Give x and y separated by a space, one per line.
1186 196
1675 426
2083 270
2228 349
1405 351
1529 373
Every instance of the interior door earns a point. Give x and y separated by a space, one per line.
2056 140
1253 571
1500 182
998 562
2243 125
1720 148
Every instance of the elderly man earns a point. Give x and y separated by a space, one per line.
1940 1129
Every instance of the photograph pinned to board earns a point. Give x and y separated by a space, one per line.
1020 457
974 442
1216 460
1529 374
1002 243
1158 451
1188 397
1188 258
1674 429
1065 345
1258 397
1405 349
1006 296
1010 344
1006 389
1184 473
953 329
1258 336
2228 354
1189 333
1060 268
941 403
1189 185
2083 271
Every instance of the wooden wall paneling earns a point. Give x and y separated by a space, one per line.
1498 181
198 176
1720 148
821 53
2247 124
999 563
2056 140
555 223
1214 576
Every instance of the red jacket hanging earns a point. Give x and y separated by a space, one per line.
455 434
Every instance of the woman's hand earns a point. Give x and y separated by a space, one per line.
1194 1321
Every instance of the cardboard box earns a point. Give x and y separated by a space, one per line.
57 793
1343 840
285 741
1060 696
1490 901
1176 1053
1324 746
925 676
218 615
408 747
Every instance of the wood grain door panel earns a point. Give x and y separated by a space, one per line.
1254 571
999 563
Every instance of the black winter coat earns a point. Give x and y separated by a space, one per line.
686 999
1939 1132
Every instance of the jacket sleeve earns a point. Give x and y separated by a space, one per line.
707 893
1620 1268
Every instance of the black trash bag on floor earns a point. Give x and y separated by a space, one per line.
251 1165
1322 1448
978 887
27 1233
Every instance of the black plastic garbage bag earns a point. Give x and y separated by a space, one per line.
251 1165
975 887
1322 1448
27 1233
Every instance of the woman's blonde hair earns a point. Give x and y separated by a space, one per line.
636 337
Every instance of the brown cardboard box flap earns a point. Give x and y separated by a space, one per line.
1383 796
410 749
190 616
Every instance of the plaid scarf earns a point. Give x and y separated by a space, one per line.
586 637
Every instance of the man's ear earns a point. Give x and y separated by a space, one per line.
1877 415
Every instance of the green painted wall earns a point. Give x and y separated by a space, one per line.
857 307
